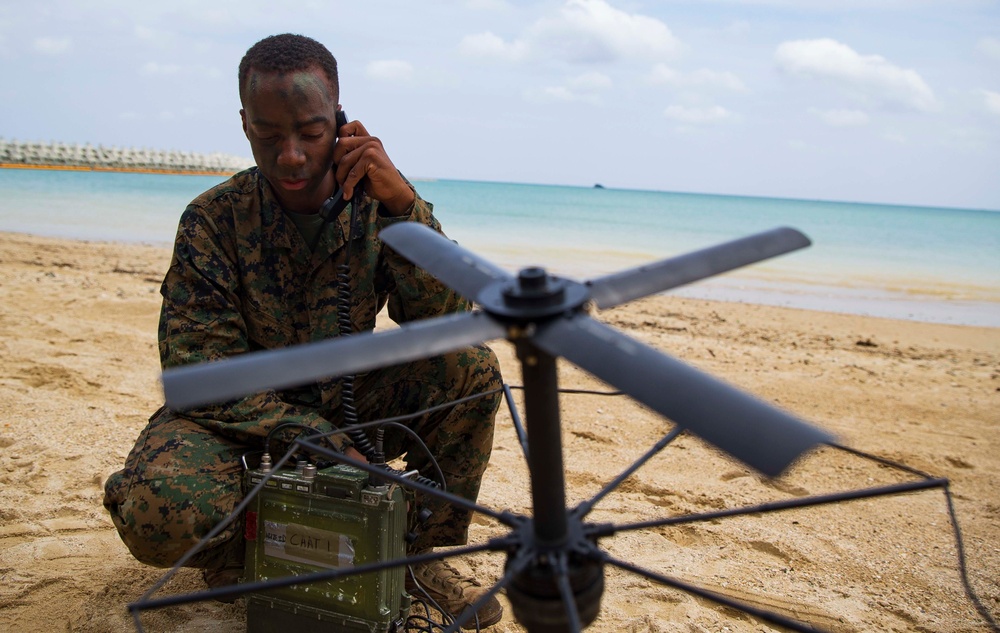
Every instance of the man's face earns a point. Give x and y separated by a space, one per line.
290 121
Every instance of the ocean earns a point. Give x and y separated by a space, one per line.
917 263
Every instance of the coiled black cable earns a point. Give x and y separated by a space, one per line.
358 437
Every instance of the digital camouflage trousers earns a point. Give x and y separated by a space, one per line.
181 479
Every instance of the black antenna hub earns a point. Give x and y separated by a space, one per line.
532 279
534 288
532 295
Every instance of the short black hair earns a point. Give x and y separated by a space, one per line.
287 53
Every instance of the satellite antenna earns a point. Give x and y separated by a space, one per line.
554 573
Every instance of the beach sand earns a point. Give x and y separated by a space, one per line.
79 377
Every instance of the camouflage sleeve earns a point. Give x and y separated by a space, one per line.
200 320
415 294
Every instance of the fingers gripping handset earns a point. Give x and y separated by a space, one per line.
346 190
363 165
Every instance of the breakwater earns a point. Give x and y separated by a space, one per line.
72 156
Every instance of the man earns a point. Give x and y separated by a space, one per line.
255 266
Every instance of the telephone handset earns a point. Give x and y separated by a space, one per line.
359 190
336 203
341 120
331 209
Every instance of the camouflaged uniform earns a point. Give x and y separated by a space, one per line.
242 278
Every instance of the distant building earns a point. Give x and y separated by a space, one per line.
57 155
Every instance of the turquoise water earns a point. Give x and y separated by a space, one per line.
904 262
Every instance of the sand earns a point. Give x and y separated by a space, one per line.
78 378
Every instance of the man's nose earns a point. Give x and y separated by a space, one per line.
291 154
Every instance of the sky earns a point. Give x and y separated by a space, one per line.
886 101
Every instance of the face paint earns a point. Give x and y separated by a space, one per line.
290 121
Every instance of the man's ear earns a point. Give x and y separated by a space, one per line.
243 117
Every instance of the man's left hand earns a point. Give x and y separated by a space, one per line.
359 155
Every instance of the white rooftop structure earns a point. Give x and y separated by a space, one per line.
116 158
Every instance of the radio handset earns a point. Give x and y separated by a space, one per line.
359 189
333 207
335 203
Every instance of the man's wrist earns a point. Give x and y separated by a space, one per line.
401 204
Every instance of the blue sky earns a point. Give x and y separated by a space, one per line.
893 101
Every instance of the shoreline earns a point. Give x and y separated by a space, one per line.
901 283
120 170
748 287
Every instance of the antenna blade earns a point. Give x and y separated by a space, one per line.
219 381
762 436
634 283
461 270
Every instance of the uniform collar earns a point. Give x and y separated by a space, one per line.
278 231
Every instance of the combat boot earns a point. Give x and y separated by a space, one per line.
451 591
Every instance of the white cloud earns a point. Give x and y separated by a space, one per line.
165 115
561 94
712 78
869 77
696 115
154 37
558 93
824 6
144 32
52 45
583 88
990 46
153 68
841 118
701 78
991 100
968 138
158 69
582 31
663 74
590 82
588 31
491 45
390 70
487 5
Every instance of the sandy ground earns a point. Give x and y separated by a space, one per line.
78 377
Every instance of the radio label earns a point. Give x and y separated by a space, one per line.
304 544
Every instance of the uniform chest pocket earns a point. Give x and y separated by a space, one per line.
363 310
265 328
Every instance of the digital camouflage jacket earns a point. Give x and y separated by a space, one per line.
242 278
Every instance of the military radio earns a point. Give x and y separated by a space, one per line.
306 520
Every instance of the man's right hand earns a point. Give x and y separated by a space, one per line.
360 155
354 454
